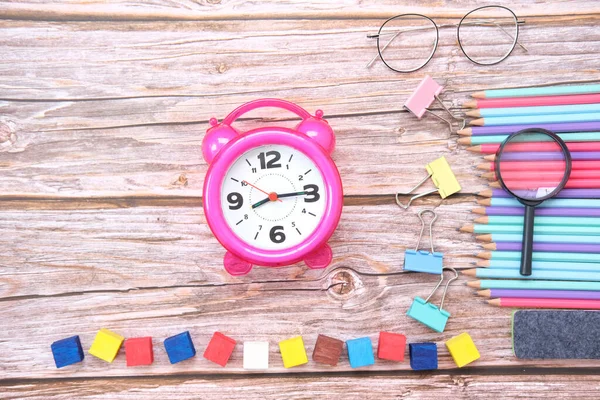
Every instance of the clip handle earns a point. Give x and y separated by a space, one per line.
446 288
420 215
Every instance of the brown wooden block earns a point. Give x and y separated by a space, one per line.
328 350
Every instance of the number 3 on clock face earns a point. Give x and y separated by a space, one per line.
273 197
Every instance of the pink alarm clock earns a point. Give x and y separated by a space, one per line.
272 196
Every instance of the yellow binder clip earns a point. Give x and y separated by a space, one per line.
442 177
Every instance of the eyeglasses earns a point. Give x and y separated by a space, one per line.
487 35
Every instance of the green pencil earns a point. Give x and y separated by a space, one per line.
537 229
531 284
541 220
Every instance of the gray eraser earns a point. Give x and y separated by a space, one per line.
543 334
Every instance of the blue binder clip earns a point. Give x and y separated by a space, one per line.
427 313
421 260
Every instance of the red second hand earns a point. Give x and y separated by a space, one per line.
272 195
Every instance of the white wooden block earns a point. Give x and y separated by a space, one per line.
256 355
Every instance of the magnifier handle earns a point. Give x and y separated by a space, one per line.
527 249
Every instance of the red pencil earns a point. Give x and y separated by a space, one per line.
540 166
545 303
491 148
518 184
543 174
534 101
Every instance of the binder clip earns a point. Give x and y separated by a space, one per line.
424 95
442 177
421 260
427 313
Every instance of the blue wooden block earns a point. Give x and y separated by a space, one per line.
360 352
180 347
67 351
423 356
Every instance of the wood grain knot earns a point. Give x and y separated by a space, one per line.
213 1
222 68
7 135
342 283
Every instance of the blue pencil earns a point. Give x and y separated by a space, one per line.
517 237
536 119
541 256
543 110
537 91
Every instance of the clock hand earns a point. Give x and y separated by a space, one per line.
272 195
263 201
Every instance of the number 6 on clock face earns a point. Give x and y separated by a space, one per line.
273 197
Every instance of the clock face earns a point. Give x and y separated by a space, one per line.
273 197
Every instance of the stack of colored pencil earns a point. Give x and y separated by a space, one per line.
566 249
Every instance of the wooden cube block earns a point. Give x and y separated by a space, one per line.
293 352
360 352
219 349
179 347
138 351
256 355
462 349
391 346
423 356
67 351
328 350
106 345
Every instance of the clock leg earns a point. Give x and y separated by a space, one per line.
320 258
235 265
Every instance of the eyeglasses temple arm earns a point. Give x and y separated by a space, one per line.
383 48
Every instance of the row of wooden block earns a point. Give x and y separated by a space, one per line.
391 346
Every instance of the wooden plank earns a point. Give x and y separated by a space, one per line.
51 252
130 119
222 9
455 386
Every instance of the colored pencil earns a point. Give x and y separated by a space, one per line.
545 274
566 247
554 203
537 229
540 165
516 184
538 91
547 265
535 119
541 294
576 141
544 110
533 101
510 129
550 212
563 194
532 284
546 303
540 256
554 176
554 221
516 237
546 156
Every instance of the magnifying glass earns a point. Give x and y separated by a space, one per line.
550 176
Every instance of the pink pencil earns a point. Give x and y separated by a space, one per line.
545 303
534 101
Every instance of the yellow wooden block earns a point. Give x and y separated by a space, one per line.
106 345
293 352
462 349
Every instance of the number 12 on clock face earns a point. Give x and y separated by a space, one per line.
273 197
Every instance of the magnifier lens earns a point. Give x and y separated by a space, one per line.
532 184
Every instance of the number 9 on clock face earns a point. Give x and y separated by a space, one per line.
273 197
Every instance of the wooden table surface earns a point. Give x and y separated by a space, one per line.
103 106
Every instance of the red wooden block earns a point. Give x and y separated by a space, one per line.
138 351
219 349
391 346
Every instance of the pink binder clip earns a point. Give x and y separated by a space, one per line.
424 95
